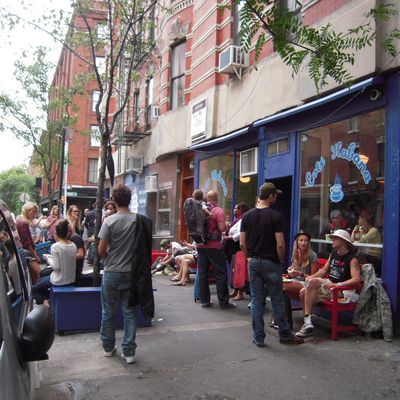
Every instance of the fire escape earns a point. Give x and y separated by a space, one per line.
132 124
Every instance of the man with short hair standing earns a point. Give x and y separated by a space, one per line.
119 236
211 253
262 240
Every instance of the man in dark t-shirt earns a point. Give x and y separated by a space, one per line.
262 241
342 268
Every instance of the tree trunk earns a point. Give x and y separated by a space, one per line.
99 207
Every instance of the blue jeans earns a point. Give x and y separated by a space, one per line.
40 290
216 258
265 272
114 291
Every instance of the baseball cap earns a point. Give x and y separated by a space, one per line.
164 243
268 188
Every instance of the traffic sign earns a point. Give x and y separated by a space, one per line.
24 197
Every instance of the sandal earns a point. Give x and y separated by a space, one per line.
237 298
180 284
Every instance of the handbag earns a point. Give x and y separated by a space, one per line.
241 274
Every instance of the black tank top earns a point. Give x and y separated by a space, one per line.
339 266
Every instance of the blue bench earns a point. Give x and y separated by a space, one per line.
79 309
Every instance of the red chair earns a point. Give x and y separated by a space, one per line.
335 306
157 253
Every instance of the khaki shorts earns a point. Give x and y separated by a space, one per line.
326 293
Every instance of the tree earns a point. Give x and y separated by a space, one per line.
27 119
13 182
326 52
121 33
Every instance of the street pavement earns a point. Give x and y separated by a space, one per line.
207 354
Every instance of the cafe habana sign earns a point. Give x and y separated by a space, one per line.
338 151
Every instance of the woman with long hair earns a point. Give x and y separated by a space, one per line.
73 217
51 222
304 264
29 211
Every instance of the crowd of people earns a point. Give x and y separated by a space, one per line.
254 235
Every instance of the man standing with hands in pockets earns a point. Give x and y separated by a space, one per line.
262 241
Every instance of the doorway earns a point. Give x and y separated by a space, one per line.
284 206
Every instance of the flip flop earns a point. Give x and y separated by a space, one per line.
179 284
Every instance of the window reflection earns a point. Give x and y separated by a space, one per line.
342 184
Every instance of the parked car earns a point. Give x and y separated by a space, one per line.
26 332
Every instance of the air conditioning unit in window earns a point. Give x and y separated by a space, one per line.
155 112
249 162
134 164
151 183
233 60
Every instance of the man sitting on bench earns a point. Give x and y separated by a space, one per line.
342 268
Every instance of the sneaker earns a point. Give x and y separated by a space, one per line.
129 359
306 330
206 305
227 306
291 339
259 343
110 353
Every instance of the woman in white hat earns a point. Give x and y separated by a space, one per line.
342 268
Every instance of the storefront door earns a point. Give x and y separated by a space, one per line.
284 206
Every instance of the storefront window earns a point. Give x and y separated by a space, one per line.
342 184
216 173
245 186
164 209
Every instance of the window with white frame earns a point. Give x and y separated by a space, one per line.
237 21
95 99
149 101
178 76
93 172
101 65
102 30
94 136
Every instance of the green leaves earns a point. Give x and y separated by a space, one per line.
326 53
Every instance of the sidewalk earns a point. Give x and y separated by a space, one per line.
207 354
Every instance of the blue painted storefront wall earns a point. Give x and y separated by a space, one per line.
332 108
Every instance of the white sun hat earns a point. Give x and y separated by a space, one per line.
342 234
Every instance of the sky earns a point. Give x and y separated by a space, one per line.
12 151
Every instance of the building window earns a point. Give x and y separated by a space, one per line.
93 172
101 65
216 173
94 136
237 22
164 208
344 188
95 99
136 105
153 24
277 147
178 76
102 30
149 102
119 160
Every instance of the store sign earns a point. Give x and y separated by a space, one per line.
311 177
216 176
338 151
199 120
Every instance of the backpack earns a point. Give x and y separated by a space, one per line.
196 220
